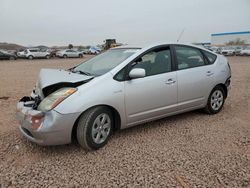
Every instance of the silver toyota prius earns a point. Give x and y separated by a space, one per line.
120 88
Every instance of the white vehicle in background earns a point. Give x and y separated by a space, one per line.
228 51
69 53
213 49
21 54
94 50
36 53
83 51
245 51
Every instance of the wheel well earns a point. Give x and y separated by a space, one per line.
224 87
116 116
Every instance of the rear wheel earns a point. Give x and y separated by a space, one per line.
64 56
30 57
215 101
94 128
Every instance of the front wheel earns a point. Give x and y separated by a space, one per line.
30 57
47 56
94 128
215 101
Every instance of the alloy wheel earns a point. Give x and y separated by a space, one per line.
101 128
217 99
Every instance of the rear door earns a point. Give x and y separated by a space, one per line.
195 77
34 52
155 95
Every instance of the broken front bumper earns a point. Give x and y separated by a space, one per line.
44 128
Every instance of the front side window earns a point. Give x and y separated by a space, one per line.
104 62
188 57
155 62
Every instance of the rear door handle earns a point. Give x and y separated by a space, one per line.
170 81
209 73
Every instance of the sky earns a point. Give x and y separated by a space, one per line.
89 22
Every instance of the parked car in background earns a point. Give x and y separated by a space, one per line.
7 56
14 52
121 88
238 49
32 53
228 51
69 53
83 51
219 50
53 52
245 51
94 50
21 54
213 49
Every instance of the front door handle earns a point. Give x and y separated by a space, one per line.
209 73
170 81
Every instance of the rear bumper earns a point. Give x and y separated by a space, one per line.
54 128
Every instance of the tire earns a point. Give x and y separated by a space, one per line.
12 58
80 55
47 56
215 101
92 135
30 57
64 56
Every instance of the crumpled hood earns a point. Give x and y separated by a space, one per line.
49 77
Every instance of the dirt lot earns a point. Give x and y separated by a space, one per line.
192 148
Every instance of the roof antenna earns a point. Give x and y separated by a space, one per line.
180 34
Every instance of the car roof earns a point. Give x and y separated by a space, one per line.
159 44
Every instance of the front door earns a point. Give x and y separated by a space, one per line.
154 95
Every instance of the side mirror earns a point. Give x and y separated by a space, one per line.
137 73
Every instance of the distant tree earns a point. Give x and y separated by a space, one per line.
70 46
237 41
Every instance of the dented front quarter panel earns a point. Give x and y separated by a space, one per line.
96 93
55 128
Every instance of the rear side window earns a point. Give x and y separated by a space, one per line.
211 57
33 50
188 57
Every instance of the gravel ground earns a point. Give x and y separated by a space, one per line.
187 150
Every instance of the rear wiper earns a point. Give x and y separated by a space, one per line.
82 72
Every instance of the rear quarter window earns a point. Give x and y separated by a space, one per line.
211 57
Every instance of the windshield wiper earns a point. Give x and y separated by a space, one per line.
82 72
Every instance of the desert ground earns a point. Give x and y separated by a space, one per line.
187 150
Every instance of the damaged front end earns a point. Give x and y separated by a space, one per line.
38 121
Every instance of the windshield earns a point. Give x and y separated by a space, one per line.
104 62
